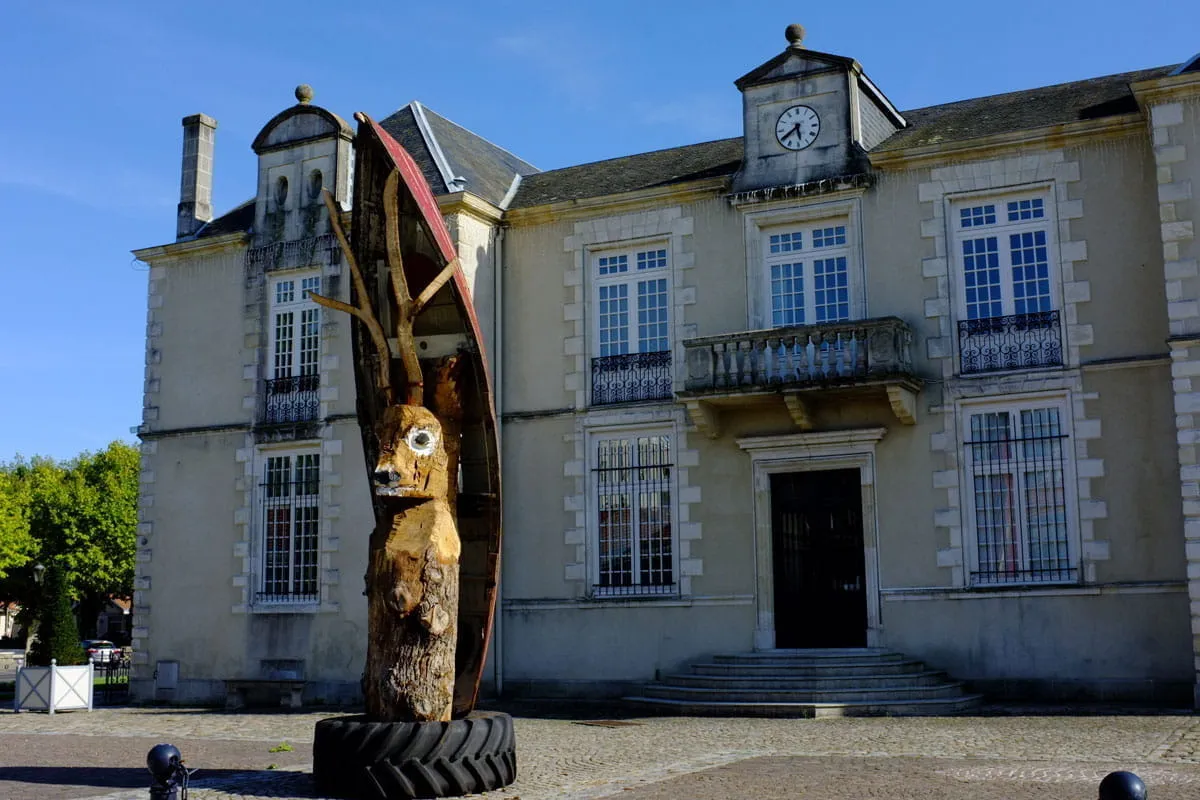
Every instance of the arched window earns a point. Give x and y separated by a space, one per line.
281 191
315 183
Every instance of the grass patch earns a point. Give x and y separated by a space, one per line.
282 747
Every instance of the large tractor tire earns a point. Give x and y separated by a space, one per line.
355 757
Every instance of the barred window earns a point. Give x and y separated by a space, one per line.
290 499
634 530
1018 492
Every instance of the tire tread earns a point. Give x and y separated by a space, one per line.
355 757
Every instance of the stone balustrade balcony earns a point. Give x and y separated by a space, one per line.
802 366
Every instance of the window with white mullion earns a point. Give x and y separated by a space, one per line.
284 340
1004 249
808 274
631 334
632 302
295 327
310 340
1007 307
613 310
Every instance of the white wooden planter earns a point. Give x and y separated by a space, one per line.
54 688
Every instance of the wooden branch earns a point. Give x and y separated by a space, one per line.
405 342
363 311
437 283
391 219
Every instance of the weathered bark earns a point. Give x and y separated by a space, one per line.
412 573
412 606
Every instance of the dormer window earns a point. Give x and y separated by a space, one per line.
315 184
281 191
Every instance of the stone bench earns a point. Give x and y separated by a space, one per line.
290 691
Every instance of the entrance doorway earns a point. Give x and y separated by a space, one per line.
819 564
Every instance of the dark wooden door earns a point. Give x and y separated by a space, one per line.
817 544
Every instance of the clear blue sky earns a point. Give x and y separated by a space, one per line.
90 136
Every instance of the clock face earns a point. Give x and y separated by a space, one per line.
797 127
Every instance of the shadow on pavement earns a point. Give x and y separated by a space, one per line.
103 777
263 783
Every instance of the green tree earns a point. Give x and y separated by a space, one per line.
57 633
17 544
79 514
102 549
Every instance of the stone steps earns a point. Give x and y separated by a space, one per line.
808 683
802 670
911 708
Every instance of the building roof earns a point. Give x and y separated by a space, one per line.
440 146
1015 111
446 151
629 173
239 219
950 122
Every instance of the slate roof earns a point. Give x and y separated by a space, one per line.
487 170
1024 110
629 173
950 122
237 220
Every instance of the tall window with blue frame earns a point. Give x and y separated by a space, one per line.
632 343
1004 250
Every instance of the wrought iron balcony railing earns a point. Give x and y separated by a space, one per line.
1018 341
601 590
313 251
632 377
808 355
292 399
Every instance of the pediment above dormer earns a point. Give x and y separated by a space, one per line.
795 62
302 122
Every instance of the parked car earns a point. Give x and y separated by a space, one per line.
101 650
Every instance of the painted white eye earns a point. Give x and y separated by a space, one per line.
421 441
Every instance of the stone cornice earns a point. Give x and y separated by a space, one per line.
815 439
166 253
1052 136
617 203
1171 87
467 203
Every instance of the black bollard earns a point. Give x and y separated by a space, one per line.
1122 786
165 763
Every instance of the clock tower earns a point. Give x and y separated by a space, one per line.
809 116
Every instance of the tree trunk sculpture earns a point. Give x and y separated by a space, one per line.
413 565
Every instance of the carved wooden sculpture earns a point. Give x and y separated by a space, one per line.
412 573
431 445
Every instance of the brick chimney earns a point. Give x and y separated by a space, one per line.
195 186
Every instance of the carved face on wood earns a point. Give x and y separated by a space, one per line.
412 454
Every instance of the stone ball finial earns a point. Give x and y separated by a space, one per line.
304 93
795 35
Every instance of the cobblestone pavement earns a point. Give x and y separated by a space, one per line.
82 755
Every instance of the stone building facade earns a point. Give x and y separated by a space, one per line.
861 377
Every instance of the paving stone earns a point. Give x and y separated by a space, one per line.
996 755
